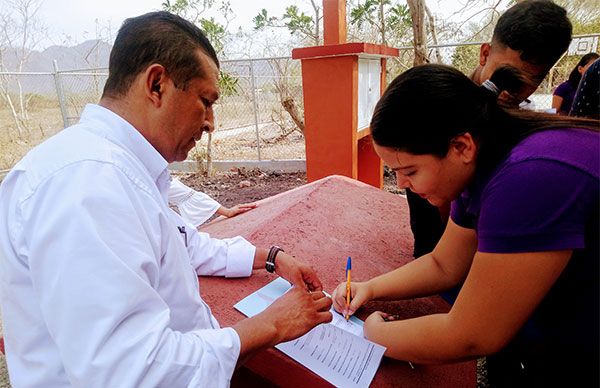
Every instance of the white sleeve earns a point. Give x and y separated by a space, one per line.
93 249
194 206
230 257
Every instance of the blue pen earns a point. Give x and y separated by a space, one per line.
348 270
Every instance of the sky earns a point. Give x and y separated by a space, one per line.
70 22
75 21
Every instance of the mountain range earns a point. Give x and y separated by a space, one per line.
87 55
91 54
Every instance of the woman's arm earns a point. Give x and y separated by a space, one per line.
437 271
499 294
430 274
556 102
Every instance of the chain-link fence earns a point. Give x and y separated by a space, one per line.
258 117
260 113
29 113
465 57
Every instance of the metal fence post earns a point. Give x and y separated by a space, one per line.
255 107
60 94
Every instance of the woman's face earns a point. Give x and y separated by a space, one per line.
582 69
438 180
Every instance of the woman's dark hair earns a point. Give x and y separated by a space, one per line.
575 75
156 37
426 107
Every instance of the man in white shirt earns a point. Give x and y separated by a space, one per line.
98 275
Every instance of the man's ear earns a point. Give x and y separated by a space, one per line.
464 147
484 53
154 83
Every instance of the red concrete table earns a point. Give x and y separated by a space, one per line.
323 223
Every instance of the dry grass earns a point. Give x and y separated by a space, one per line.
42 123
242 144
228 144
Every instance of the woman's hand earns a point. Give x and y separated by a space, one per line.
360 293
237 209
373 321
296 272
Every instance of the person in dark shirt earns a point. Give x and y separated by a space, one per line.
530 36
523 231
587 99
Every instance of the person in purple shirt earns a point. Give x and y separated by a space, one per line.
530 36
562 98
523 230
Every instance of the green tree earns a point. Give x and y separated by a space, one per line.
215 32
383 16
466 58
228 85
297 22
193 11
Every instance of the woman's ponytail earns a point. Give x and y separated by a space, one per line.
505 79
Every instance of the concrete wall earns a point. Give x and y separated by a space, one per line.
291 165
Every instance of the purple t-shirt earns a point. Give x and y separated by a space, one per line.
538 198
545 196
567 92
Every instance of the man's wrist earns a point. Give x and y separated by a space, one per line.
270 264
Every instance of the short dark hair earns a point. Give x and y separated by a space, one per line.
538 29
156 37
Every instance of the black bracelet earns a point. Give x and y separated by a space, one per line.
270 264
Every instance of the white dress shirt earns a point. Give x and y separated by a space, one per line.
194 206
99 276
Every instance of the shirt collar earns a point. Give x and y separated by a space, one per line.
110 125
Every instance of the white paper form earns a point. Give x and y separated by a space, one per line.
336 351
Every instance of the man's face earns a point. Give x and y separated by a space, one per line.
494 55
189 113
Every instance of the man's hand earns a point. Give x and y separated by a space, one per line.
298 311
296 272
288 317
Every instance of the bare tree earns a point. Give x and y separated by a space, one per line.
417 12
432 31
487 10
584 11
5 92
282 85
21 33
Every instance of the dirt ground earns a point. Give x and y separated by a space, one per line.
242 186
